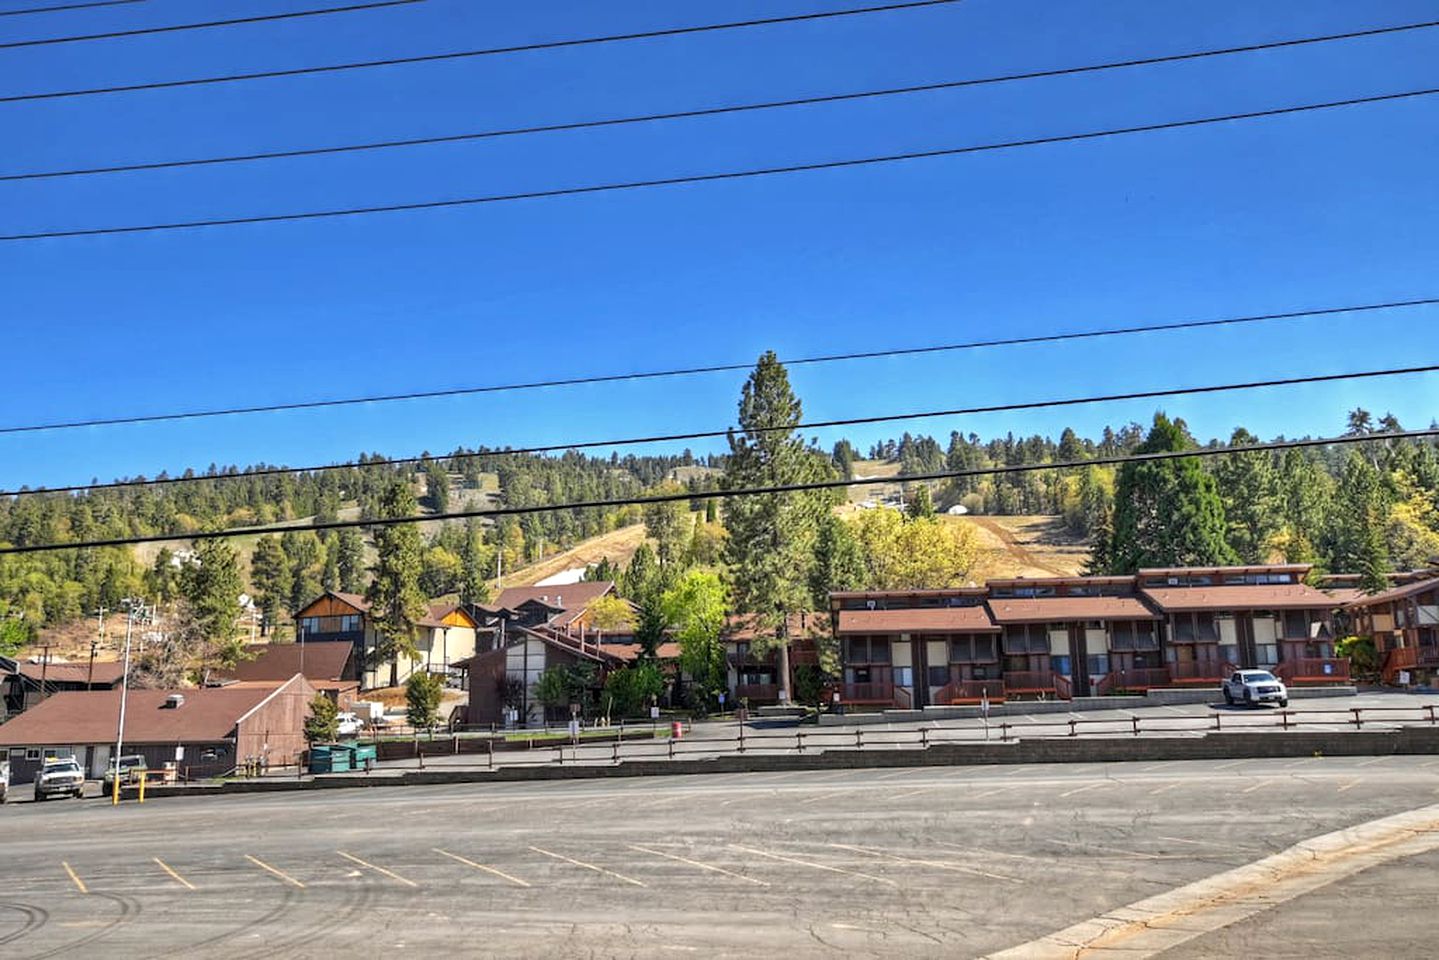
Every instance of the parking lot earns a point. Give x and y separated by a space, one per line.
906 862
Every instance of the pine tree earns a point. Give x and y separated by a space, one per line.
476 558
921 506
270 576
351 560
771 536
1361 513
1167 513
211 589
838 563
1249 486
396 601
306 556
323 723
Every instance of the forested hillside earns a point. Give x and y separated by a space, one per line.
1363 508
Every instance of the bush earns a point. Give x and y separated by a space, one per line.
1363 658
629 692
422 696
323 723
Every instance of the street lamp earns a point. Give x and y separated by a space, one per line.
134 610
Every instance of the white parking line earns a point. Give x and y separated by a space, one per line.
1349 785
590 866
912 793
810 863
990 793
899 773
1166 787
696 863
927 863
480 866
1370 762
1089 786
380 870
823 796
1231 764
1258 786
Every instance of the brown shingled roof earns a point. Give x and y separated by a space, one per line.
1057 609
745 627
629 652
277 662
89 716
1240 597
973 619
1395 593
572 598
106 671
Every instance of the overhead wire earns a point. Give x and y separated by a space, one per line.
717 434
204 25
891 352
568 126
69 6
767 490
697 178
485 52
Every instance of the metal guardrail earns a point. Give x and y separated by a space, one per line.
803 740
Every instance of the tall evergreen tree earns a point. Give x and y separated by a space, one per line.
351 560
270 576
1167 513
838 563
1361 514
396 600
1249 485
771 536
476 559
211 589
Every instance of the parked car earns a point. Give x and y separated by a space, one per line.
60 777
4 780
348 724
1253 687
131 766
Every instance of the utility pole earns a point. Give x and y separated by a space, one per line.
124 697
90 677
44 667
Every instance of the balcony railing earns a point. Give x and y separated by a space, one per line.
1314 670
757 692
1199 671
970 691
877 692
1139 678
1028 681
1063 689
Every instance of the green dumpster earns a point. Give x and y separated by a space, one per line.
362 754
329 758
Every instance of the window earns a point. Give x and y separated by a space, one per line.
1296 624
32 753
1266 654
868 650
938 676
1060 665
903 677
4 753
1098 664
1146 635
1121 636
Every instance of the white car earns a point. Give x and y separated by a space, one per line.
62 777
348 724
1253 687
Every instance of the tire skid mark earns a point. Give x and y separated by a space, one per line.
129 910
35 918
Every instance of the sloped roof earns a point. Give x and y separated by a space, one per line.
570 598
629 652
356 600
89 716
318 660
106 671
1395 593
741 627
1057 609
973 619
1272 596
436 613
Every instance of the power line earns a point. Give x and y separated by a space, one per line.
68 6
486 52
533 129
723 494
177 28
1244 320
716 434
687 179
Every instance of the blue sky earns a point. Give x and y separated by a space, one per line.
1302 211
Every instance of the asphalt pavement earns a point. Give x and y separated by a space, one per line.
904 862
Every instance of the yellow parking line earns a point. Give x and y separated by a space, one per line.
366 863
817 866
912 793
1350 785
279 873
1167 786
696 863
590 866
480 866
173 875
79 884
1261 784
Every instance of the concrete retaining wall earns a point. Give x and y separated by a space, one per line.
1214 746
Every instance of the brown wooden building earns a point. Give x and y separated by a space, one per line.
1403 622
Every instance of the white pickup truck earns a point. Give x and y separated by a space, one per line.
1253 687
